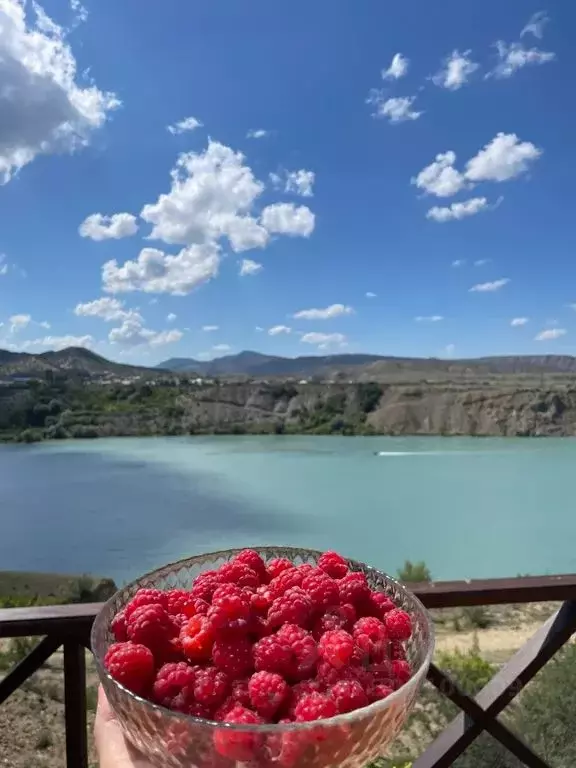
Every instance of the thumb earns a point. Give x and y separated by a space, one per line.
111 746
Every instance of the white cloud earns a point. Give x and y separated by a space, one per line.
132 333
449 349
459 262
429 318
536 25
334 310
504 158
19 322
323 339
57 342
397 69
259 328
457 69
440 178
249 267
458 211
300 182
517 321
222 348
550 334
106 308
182 126
170 318
370 295
258 133
288 219
99 227
481 262
514 57
44 110
157 272
210 328
489 287
397 109
45 324
3 265
278 329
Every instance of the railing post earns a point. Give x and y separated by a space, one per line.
75 704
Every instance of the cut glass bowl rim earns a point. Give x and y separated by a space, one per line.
336 720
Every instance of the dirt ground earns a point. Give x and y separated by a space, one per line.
32 719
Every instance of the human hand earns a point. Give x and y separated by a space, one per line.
111 746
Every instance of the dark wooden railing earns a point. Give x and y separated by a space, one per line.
68 626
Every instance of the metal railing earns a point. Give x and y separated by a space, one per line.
68 626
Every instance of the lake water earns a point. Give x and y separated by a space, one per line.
119 507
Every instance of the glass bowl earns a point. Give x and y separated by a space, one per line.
351 740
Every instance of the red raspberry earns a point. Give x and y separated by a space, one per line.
197 638
285 581
304 650
382 671
229 612
261 600
205 585
268 692
336 617
348 695
336 648
151 626
354 589
333 564
233 655
225 708
178 602
272 654
238 573
170 681
302 689
397 651
194 709
378 692
381 604
285 749
252 559
144 597
371 637
322 589
401 672
211 687
277 565
238 745
118 627
314 706
240 692
294 607
398 624
132 665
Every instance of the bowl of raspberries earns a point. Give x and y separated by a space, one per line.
275 657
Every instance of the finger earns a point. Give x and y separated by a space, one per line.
111 746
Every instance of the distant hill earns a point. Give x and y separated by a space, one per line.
70 360
250 363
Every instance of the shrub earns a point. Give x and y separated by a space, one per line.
369 395
414 573
477 616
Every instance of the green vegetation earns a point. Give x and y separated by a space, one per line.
19 589
414 573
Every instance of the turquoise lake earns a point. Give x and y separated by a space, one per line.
118 507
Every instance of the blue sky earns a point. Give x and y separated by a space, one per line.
401 174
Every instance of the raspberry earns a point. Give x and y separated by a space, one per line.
277 565
268 692
322 589
205 585
144 597
336 648
118 627
397 651
272 654
132 665
194 709
178 602
401 672
229 612
233 655
238 745
348 695
261 600
240 693
371 637
252 559
333 564
381 604
302 689
294 607
398 624
151 626
197 638
211 687
381 671
354 589
285 749
238 573
285 581
314 706
170 681
304 650
378 692
336 617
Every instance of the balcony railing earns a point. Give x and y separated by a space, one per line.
68 626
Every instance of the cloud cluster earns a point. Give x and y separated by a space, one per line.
495 285
328 313
458 210
250 267
324 340
397 69
456 71
45 109
99 227
397 109
184 126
